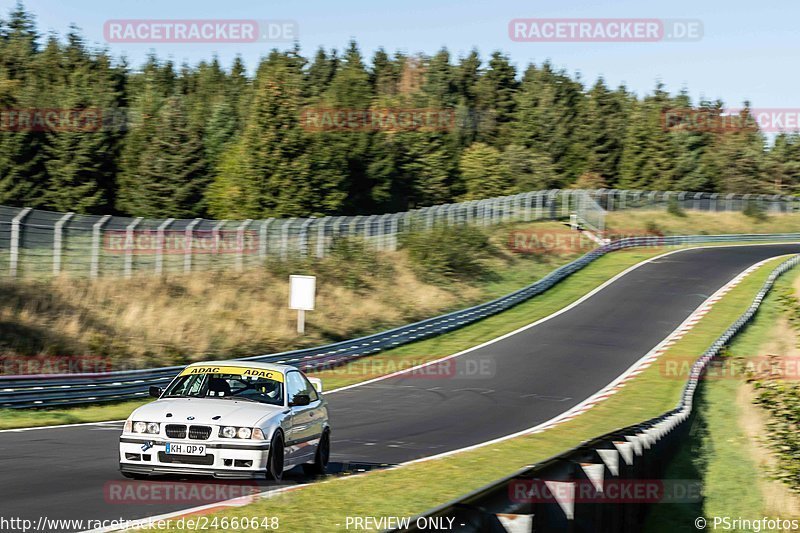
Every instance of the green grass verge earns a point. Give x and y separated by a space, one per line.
719 452
415 488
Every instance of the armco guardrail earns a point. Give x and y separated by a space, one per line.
603 485
74 389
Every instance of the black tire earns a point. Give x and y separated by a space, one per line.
323 455
275 459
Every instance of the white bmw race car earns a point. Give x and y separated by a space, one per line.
229 419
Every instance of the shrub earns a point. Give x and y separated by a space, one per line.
674 207
755 211
448 253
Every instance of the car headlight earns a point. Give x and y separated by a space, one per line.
139 427
258 434
230 432
128 427
153 428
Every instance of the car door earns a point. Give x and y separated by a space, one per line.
301 420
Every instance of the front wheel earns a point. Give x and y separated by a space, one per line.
275 459
320 464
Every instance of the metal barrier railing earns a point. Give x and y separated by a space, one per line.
75 389
637 452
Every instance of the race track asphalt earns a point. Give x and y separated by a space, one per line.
502 388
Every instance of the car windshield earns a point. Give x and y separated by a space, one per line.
227 386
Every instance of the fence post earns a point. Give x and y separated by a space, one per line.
302 243
129 242
321 225
187 251
96 227
337 227
285 238
15 237
58 239
240 243
263 237
160 240
395 223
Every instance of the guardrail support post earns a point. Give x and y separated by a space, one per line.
96 228
58 240
15 238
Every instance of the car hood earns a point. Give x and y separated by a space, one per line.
205 411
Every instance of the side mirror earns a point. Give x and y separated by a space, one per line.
155 392
317 383
300 400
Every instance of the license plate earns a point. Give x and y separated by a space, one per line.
185 449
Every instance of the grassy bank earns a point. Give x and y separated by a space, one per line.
386 493
728 450
149 321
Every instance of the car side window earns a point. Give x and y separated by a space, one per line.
312 392
297 384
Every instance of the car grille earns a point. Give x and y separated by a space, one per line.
175 431
205 460
199 432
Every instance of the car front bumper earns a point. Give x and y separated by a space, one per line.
232 460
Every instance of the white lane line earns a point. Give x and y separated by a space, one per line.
19 430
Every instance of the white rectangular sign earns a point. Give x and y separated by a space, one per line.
302 290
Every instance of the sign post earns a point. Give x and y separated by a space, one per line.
302 290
